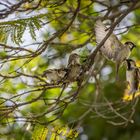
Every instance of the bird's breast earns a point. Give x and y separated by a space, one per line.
131 78
123 54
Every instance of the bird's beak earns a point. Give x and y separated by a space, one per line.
126 62
134 46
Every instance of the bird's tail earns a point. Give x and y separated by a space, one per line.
117 71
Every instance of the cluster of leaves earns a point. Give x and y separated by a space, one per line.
42 132
15 29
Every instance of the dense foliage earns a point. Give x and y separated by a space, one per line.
37 35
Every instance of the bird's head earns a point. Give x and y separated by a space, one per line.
130 44
74 59
74 56
130 64
49 72
61 72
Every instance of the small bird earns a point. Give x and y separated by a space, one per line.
132 76
55 75
73 67
112 49
73 71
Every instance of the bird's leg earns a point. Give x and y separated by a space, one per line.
133 96
131 93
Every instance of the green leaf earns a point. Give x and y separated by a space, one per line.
40 132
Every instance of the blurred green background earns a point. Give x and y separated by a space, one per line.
99 112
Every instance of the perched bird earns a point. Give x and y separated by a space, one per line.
73 67
55 75
112 49
132 76
73 71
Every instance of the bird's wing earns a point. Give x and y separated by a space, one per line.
136 77
111 44
138 74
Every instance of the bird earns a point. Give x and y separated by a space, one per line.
73 71
55 75
112 49
73 67
132 76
